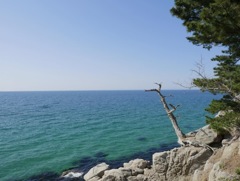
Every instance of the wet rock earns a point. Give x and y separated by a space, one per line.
72 175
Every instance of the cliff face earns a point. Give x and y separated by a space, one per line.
198 164
179 164
224 164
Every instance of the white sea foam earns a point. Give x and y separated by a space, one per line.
73 175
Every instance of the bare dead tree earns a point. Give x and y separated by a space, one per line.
212 84
181 136
183 139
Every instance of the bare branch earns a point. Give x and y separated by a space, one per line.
170 114
185 86
151 90
215 85
160 86
182 138
169 95
174 108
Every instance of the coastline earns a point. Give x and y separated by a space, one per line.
170 162
141 128
85 164
59 129
196 163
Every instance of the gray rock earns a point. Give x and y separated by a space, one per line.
125 171
137 163
180 162
207 135
120 174
197 174
221 165
226 141
160 161
152 175
96 171
137 166
217 174
198 160
96 178
139 177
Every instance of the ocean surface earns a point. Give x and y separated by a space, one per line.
45 133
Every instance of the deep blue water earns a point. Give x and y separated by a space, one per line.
52 131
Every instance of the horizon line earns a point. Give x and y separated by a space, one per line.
92 90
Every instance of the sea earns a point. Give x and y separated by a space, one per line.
43 134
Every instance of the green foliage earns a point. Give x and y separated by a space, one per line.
237 170
222 165
226 122
211 22
216 23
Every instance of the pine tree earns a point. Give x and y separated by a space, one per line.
217 23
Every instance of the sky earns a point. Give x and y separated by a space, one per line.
95 45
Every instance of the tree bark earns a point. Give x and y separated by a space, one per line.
181 136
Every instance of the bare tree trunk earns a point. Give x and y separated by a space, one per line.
181 136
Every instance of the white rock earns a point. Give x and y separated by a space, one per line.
207 135
216 173
98 171
116 175
73 175
160 163
137 163
220 113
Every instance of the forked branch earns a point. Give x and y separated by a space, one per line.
182 138
170 114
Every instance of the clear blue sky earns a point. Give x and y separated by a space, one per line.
94 45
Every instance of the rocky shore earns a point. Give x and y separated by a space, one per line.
190 163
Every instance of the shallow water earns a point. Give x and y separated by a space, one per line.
42 132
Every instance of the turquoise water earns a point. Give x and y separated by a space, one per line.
53 131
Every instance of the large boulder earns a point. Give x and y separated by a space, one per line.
207 136
96 172
180 163
222 165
